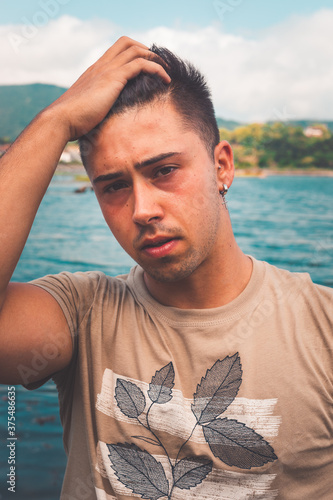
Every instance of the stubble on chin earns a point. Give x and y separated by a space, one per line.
169 271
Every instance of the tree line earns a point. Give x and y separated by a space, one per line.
280 145
276 145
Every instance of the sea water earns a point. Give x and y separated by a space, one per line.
286 221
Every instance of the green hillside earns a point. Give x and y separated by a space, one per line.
20 103
228 124
306 123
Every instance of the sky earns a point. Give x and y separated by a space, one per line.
262 60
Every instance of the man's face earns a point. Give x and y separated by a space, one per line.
158 191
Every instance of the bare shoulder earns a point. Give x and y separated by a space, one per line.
32 324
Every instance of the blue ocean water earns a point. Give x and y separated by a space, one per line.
286 221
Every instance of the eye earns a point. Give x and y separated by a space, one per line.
166 170
116 186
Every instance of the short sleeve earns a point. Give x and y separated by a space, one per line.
75 293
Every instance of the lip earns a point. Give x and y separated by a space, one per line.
159 246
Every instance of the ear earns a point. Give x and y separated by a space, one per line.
224 164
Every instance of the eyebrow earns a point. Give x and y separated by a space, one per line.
150 161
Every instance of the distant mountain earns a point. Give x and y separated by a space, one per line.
19 104
307 123
228 124
232 125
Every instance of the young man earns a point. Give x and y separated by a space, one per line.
203 373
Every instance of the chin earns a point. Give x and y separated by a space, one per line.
167 277
168 272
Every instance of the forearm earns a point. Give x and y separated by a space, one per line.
25 173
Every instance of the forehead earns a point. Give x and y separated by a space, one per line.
138 133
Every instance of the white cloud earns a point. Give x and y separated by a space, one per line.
286 71
56 52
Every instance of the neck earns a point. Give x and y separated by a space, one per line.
216 282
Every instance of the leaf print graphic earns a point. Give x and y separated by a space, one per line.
130 399
232 442
161 384
138 470
236 444
191 471
217 389
147 440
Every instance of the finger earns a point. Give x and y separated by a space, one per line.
131 53
139 65
123 43
158 59
127 49
114 58
111 62
137 55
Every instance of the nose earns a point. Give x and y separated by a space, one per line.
147 208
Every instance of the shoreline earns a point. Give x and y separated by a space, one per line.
283 173
267 172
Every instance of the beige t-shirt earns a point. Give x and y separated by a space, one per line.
233 402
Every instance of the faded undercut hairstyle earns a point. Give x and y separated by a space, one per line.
187 91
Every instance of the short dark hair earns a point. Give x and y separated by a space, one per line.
188 92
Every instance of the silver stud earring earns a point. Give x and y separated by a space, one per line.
223 192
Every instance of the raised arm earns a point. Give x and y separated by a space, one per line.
29 316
